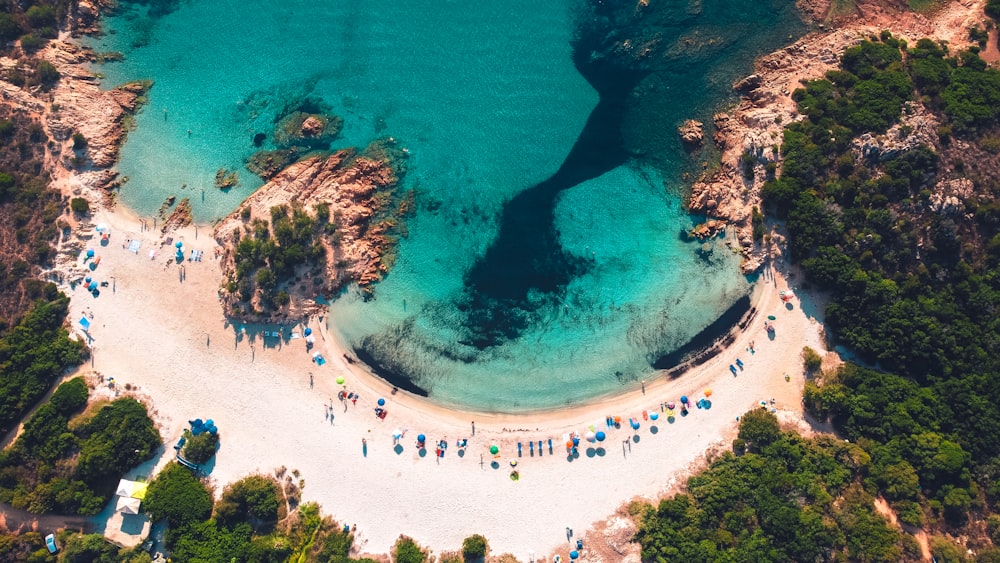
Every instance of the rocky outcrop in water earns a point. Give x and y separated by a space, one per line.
691 133
356 214
301 129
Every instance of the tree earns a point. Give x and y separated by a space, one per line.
255 497
474 547
177 495
79 205
199 449
90 548
759 428
407 551
46 73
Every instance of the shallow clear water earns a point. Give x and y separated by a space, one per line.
487 99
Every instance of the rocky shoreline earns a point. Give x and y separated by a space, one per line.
356 215
749 135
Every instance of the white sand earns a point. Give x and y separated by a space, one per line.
170 339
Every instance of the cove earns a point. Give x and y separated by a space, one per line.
543 265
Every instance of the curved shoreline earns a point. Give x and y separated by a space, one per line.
163 335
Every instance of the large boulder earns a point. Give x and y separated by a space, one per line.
691 133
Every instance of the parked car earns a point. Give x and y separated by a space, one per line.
50 542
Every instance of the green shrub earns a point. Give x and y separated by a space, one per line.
255 496
474 547
71 396
32 43
9 28
79 141
199 449
759 428
178 496
79 205
812 360
407 551
46 73
39 16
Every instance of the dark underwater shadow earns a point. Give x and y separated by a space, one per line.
525 267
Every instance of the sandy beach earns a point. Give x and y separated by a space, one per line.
158 328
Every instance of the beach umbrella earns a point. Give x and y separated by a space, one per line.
569 444
771 318
86 279
92 286
600 436
634 423
574 554
397 433
178 244
421 437
494 450
101 228
90 253
308 331
340 380
684 399
591 436
513 463
576 441
708 392
671 405
381 402
654 415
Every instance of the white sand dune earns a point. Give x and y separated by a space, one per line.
169 338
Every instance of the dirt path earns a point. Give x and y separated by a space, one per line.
21 520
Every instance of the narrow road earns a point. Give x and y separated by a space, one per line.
21 520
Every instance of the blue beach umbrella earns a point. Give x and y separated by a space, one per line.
178 244
574 554
308 331
654 415
576 441
86 279
634 423
684 398
600 436
92 286
90 253
381 402
421 437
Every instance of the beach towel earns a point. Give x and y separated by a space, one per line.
152 254
134 246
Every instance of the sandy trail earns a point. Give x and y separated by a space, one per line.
159 326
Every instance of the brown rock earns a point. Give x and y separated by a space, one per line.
311 127
691 132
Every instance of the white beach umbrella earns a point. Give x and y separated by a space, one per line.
128 505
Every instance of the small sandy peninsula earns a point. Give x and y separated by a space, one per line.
158 328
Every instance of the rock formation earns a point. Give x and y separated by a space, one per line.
691 133
752 131
79 105
366 213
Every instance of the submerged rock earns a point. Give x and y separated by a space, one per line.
301 129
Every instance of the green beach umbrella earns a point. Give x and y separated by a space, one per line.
494 450
340 381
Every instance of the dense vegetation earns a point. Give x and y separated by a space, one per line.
268 255
779 497
912 264
251 521
33 355
69 462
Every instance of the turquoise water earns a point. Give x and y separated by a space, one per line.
488 101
